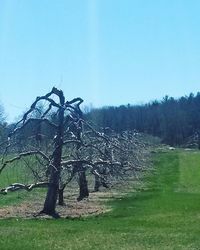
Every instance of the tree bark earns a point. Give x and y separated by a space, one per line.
100 182
61 197
52 193
97 183
83 186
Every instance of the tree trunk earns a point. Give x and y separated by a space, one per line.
50 201
83 186
61 197
97 183
100 182
198 141
104 179
55 168
52 193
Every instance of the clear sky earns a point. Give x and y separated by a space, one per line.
109 52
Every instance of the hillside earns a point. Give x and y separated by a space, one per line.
175 121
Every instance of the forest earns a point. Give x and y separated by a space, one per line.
175 121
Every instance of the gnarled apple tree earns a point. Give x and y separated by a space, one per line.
54 133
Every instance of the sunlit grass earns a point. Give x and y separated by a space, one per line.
190 172
17 172
163 216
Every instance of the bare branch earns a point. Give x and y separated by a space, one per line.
18 186
39 120
71 141
25 154
68 104
90 163
45 97
47 111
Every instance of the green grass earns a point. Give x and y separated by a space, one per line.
17 172
164 215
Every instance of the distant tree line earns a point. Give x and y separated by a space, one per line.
175 121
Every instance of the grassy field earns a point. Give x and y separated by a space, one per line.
163 215
17 173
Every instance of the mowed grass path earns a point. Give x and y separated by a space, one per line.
164 215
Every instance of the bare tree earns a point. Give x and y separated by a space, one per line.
56 103
64 144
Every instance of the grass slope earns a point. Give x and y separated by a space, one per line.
166 215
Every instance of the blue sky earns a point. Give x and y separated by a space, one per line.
109 52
